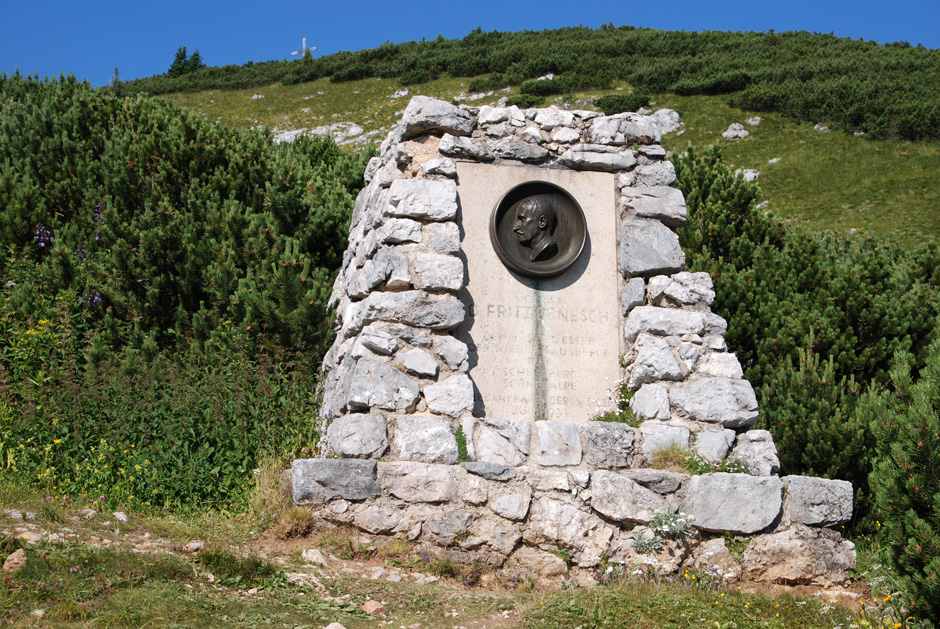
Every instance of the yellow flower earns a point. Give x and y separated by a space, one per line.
56 441
886 599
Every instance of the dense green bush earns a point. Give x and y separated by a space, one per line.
617 103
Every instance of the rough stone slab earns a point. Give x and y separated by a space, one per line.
415 307
320 480
712 557
565 135
653 361
443 166
560 443
399 230
799 555
649 248
715 324
503 441
661 481
819 501
378 341
735 131
668 120
731 403
585 157
617 497
733 503
444 531
467 148
424 438
651 402
498 534
661 203
757 449
442 237
633 295
714 445
418 362
607 444
453 396
357 436
561 525
657 435
552 117
389 268
374 384
492 115
548 480
453 352
472 489
656 174
429 115
412 481
542 563
625 128
690 289
509 148
435 271
512 506
662 322
427 199
377 520
490 471
721 365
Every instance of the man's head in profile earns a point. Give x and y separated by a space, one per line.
534 228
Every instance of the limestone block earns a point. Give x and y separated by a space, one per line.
656 174
453 396
419 363
652 150
426 199
358 436
617 497
532 134
597 157
540 562
721 365
503 441
467 148
667 119
757 449
625 128
735 131
435 271
398 230
498 534
412 481
712 557
512 506
558 524
377 520
443 166
553 117
372 167
633 295
651 402
560 443
549 480
661 203
731 403
389 268
715 324
471 489
453 524
321 480
799 555
653 360
490 471
690 289
424 438
565 135
649 248
378 341
374 384
509 148
657 435
429 115
442 237
492 115
387 174
733 503
714 444
414 307
819 501
663 482
607 444
453 352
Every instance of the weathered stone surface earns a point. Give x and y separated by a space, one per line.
472 489
378 341
597 157
663 563
619 498
428 199
424 438
565 135
412 481
438 271
657 202
388 173
492 115
656 174
736 130
357 436
429 115
733 503
651 402
688 289
443 166
721 365
799 555
509 148
560 443
389 268
713 558
548 480
464 147
418 362
558 524
634 294
731 403
657 435
452 525
668 120
314 556
498 534
819 501
377 519
540 562
374 384
607 444
649 248
413 307
625 128
653 360
757 449
652 150
661 481
490 471
715 324
442 237
513 506
553 117
398 230
714 445
452 351
453 396
320 480
16 560
503 441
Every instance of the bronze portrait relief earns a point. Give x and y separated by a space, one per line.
538 229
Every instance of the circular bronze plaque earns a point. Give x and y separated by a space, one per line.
538 229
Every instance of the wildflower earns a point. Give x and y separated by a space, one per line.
56 441
886 599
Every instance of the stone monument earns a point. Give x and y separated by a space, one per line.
506 270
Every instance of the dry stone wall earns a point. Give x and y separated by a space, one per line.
399 397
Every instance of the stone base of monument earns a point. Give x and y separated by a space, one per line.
458 338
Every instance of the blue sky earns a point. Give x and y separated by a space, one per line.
92 37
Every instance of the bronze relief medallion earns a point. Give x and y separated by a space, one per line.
538 229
